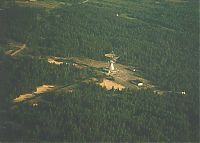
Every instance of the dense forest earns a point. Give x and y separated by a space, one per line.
161 39
90 31
26 73
92 114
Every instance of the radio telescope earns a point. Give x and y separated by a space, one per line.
112 59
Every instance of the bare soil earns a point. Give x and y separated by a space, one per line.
54 61
39 90
15 48
108 84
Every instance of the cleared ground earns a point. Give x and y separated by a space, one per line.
109 84
15 48
53 61
39 90
121 76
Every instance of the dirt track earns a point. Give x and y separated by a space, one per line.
20 49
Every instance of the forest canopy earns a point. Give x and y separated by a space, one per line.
159 37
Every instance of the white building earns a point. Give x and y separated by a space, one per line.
111 65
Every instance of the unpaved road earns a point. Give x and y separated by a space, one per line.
19 50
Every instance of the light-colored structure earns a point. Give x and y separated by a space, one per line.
112 59
183 92
136 82
111 65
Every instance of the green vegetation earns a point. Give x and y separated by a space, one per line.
90 31
159 36
26 73
93 114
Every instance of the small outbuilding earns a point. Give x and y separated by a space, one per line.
136 82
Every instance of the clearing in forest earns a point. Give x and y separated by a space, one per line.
54 61
14 48
108 84
39 90
122 75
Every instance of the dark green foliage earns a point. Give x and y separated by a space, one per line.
163 39
26 73
7 3
93 114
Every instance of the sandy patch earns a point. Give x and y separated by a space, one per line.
39 90
89 62
43 89
53 61
61 60
8 52
23 97
108 84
